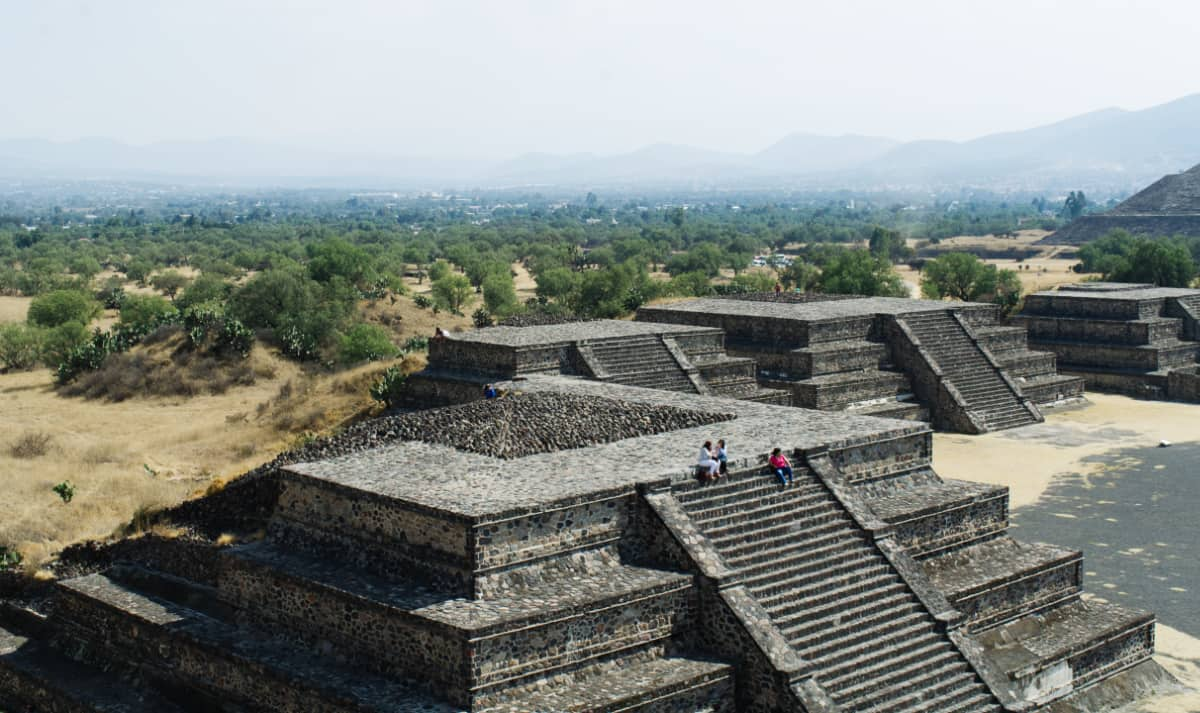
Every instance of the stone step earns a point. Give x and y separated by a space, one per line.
762 500
904 410
782 604
807 585
935 516
1067 647
828 567
1003 579
242 665
809 511
587 613
916 677
658 685
735 486
833 533
899 620
736 541
1051 387
832 544
934 692
32 678
874 659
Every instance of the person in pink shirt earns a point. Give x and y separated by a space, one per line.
781 466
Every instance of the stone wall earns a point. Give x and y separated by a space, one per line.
1141 331
1183 384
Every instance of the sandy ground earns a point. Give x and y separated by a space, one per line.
1027 459
1072 443
149 452
14 309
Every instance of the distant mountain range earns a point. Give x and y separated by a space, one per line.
1106 149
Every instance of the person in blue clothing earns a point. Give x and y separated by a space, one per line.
722 457
489 391
781 467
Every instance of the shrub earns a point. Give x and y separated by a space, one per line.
9 558
422 301
365 342
59 342
206 288
112 293
20 346
209 328
481 318
143 313
234 338
297 342
416 344
389 390
62 306
65 490
452 292
33 444
169 283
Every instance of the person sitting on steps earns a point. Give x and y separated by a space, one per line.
490 392
722 457
707 468
781 466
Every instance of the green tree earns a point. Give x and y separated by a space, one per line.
888 244
1165 263
858 272
452 292
62 306
691 284
801 275
438 270
1075 204
339 258
1008 291
20 346
59 342
500 294
206 288
169 283
144 312
366 342
85 266
557 283
960 276
754 281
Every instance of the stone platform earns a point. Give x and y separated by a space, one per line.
592 573
947 362
660 356
1134 339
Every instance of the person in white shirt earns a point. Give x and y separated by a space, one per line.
708 466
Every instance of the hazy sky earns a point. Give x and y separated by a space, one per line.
495 79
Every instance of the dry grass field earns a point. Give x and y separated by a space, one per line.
14 309
149 451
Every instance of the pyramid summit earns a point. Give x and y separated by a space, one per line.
1169 206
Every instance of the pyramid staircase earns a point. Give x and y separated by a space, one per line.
656 361
1038 639
967 373
853 375
1035 372
642 360
1187 309
837 600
